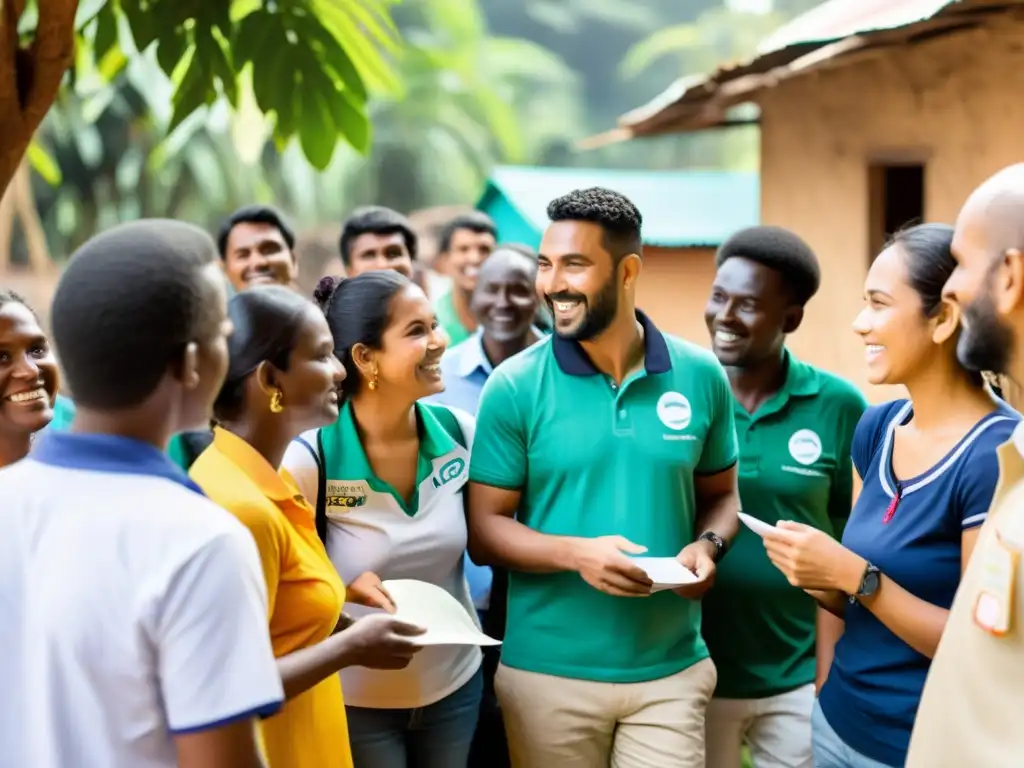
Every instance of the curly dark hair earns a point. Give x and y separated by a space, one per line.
613 212
778 249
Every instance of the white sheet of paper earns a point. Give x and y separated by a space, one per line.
429 606
760 527
665 572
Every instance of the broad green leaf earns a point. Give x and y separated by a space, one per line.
143 24
171 47
106 31
317 133
368 60
43 164
190 94
680 37
353 123
332 54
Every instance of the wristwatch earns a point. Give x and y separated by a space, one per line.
721 545
868 583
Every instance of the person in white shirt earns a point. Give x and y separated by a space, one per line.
389 504
134 630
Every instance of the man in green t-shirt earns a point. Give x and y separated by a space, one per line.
794 424
608 440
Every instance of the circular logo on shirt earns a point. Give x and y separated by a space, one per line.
805 446
674 410
449 472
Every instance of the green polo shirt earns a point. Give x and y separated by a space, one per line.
794 465
448 319
595 459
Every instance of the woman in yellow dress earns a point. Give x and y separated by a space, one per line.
283 379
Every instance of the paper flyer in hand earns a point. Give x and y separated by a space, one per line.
434 609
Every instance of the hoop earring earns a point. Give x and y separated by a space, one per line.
275 402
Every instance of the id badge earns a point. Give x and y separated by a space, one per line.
993 606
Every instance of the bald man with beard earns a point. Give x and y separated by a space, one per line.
970 713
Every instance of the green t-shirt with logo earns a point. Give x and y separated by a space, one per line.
594 459
794 465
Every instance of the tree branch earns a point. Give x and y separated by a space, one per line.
30 79
53 50
10 14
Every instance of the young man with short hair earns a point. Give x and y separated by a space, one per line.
257 247
374 238
795 425
463 245
970 709
607 440
135 611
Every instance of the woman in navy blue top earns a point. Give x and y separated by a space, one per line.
929 470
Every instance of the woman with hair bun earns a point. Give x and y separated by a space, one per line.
283 378
388 481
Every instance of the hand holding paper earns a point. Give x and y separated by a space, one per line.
429 606
603 563
380 641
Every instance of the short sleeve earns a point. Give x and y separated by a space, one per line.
300 463
977 485
268 531
720 447
499 456
840 500
215 660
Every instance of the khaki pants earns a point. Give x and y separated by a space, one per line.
557 722
776 728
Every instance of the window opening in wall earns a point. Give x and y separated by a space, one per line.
896 200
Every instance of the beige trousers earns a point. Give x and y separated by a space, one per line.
776 728
557 722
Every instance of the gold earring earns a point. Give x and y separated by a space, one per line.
275 402
373 382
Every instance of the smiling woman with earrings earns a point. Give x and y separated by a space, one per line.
283 378
387 479
929 469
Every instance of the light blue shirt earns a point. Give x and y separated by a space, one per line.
464 369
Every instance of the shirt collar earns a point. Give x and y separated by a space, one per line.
107 453
253 465
574 361
434 439
801 379
470 355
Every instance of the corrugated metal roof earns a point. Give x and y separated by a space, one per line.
824 35
679 208
836 19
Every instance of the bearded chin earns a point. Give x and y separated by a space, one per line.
985 343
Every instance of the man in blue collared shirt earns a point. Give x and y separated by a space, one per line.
505 303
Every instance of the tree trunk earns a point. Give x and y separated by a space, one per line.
18 202
30 77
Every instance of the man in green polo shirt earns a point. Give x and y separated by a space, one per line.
795 424
608 440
